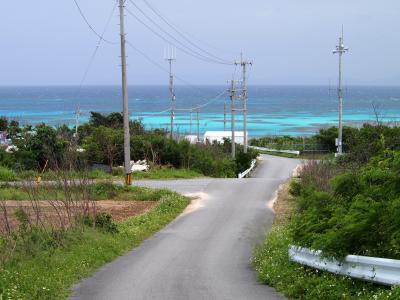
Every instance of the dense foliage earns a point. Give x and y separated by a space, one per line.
102 139
355 212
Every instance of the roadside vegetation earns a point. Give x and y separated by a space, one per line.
46 246
355 140
98 147
348 205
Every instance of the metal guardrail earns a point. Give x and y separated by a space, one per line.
245 173
296 152
379 270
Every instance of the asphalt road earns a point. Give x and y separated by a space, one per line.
205 252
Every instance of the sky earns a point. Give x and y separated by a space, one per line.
290 42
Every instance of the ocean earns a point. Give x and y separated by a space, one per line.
272 110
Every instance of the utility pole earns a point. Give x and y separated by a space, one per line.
198 126
191 120
127 146
225 115
170 57
340 49
78 115
243 97
232 97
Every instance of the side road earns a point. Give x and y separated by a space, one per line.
204 253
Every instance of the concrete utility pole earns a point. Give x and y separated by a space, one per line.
224 115
232 97
78 115
191 120
127 146
340 49
198 126
170 57
243 97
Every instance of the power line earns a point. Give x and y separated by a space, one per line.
90 26
88 67
176 40
91 60
152 61
174 28
188 52
204 104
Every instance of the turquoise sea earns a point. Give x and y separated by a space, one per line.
272 110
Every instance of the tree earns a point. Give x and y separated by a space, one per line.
41 146
3 124
104 145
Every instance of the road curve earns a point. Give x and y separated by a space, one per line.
204 253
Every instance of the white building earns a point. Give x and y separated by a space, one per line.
191 138
219 136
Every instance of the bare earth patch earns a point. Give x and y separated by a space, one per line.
282 205
56 213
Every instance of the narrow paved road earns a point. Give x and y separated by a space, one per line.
204 253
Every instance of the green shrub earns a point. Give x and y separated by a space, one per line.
7 174
104 190
358 214
104 222
295 188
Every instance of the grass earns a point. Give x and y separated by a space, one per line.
167 173
51 272
288 155
295 281
301 156
98 191
8 175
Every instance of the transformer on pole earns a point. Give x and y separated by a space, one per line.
340 49
243 96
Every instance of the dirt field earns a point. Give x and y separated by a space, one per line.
57 214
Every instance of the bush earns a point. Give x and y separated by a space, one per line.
357 213
104 222
104 190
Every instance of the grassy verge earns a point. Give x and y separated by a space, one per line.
295 281
167 173
288 155
50 272
7 175
301 156
97 191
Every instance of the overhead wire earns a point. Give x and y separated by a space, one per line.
182 35
99 42
93 56
89 25
183 48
